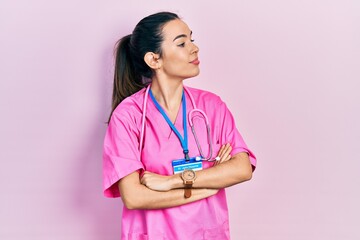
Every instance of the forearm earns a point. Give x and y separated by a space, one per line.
236 170
149 199
139 196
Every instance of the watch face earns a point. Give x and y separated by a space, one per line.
188 175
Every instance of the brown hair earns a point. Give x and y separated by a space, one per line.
130 67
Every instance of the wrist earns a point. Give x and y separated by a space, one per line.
176 181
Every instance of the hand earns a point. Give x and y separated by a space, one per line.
156 182
224 154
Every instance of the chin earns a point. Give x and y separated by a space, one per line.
194 74
190 76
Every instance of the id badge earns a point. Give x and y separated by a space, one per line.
195 163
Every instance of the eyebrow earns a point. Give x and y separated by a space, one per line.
181 35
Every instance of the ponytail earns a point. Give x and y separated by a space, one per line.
130 67
126 80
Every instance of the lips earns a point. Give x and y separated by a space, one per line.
195 61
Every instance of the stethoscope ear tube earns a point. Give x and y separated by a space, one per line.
209 156
143 118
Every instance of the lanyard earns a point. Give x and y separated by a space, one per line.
183 141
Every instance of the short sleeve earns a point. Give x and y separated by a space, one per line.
230 134
120 153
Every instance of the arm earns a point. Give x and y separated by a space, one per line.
137 196
238 169
223 174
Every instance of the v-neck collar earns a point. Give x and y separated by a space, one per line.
158 120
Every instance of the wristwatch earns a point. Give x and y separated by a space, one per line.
188 176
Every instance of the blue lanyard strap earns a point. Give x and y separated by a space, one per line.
183 141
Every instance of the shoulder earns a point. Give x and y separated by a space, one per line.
205 97
130 109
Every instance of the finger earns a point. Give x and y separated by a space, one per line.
221 150
225 152
228 146
144 177
142 180
221 161
222 153
216 160
226 155
144 173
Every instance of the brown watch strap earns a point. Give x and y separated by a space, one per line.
187 189
187 193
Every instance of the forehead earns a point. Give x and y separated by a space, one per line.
175 28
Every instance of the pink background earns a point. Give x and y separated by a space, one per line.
289 71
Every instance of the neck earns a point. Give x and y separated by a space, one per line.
168 94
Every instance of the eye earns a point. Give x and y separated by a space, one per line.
183 44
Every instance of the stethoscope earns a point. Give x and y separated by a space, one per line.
191 116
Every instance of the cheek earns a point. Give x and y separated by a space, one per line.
178 64
174 65
181 69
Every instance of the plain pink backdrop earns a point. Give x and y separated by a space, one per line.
288 70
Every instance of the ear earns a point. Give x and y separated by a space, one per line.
152 60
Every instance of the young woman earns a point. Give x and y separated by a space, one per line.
171 180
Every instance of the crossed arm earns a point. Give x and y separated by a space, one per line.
154 191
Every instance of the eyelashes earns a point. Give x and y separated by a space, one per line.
183 44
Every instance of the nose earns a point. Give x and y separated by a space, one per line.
195 48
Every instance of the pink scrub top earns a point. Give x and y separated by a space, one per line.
203 219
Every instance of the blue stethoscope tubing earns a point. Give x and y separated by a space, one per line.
190 119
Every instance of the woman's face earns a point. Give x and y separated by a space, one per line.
179 54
